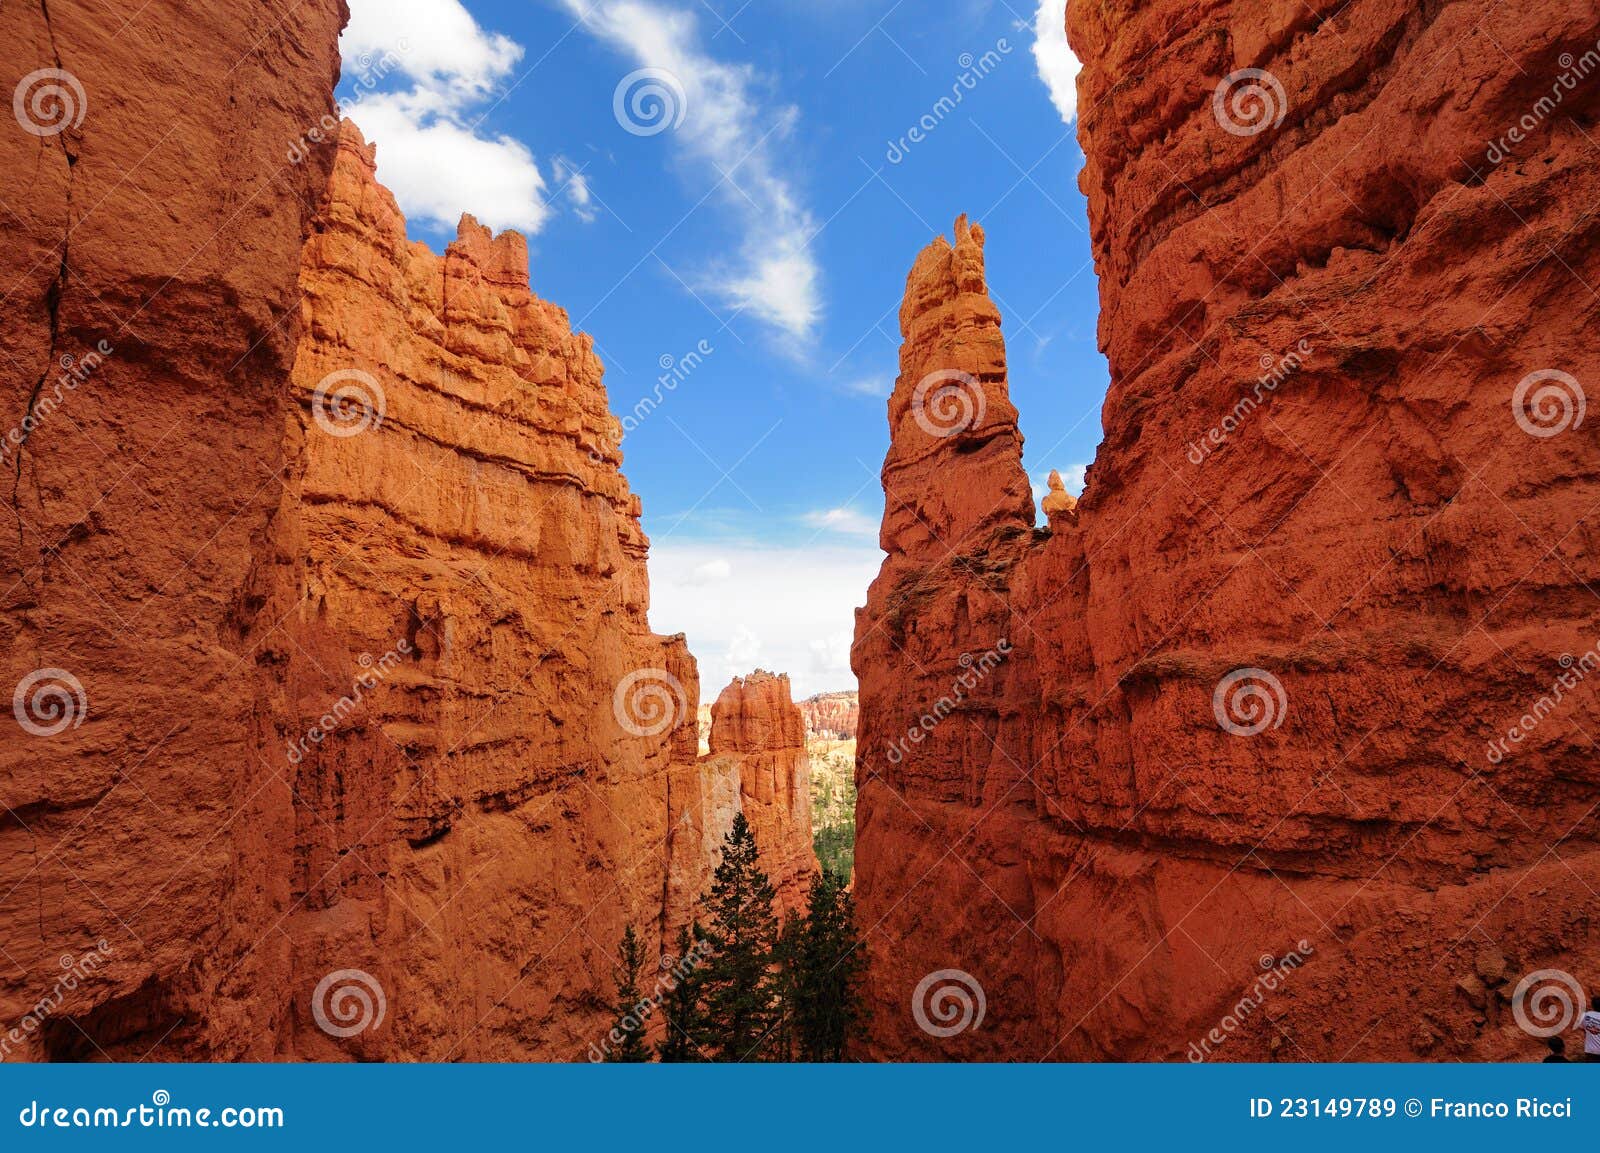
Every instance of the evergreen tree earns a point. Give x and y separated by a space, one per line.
632 1013
829 965
685 1017
780 1045
740 980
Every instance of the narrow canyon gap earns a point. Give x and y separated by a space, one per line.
1079 833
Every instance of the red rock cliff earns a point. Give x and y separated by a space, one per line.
152 207
758 738
338 556
1334 545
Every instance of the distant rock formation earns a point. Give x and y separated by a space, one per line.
831 716
1332 549
1058 502
757 732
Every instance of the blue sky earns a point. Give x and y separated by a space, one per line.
731 196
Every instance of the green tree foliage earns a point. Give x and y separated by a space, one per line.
833 813
682 1009
740 981
828 966
758 993
632 1012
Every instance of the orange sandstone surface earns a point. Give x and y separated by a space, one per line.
1245 713
331 567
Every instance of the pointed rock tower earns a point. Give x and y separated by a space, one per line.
954 471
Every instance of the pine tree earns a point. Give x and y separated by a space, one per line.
830 963
681 1008
780 1045
741 983
632 1013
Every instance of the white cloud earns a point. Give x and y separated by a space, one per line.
846 520
430 152
712 572
878 386
790 610
438 42
733 137
1058 66
576 185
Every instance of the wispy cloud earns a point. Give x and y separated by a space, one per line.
1058 66
733 139
575 184
851 521
879 386
431 154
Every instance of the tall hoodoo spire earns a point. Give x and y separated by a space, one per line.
954 468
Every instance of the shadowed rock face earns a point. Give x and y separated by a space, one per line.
167 223
336 545
1318 474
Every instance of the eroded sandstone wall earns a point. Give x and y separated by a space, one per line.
501 802
336 545
1390 542
150 254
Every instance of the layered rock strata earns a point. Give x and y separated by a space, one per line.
831 716
1296 706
